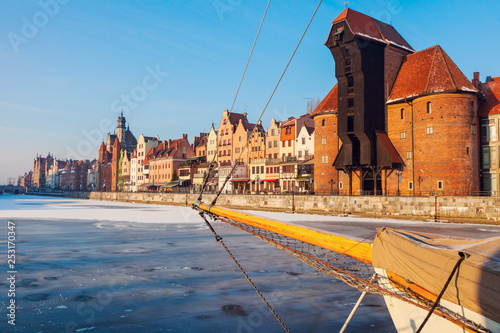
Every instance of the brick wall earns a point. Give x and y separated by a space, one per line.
325 173
445 148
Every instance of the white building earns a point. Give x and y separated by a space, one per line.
144 145
212 145
304 144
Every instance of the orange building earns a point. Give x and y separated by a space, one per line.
163 162
225 134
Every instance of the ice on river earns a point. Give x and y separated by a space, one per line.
91 266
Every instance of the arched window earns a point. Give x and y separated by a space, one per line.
429 107
323 122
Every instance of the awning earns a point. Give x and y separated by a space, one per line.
170 185
234 180
147 185
269 180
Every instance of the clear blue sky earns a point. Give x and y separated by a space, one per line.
66 69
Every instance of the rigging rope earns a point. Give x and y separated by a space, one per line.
219 239
269 100
234 100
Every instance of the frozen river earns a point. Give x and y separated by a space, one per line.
92 266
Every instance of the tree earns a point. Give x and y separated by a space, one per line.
312 104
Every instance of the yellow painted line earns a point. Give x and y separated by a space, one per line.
354 249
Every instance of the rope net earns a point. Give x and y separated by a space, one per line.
353 272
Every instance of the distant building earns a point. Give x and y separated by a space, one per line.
212 145
109 166
226 136
40 170
144 145
163 162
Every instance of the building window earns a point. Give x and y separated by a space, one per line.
440 185
403 113
429 107
323 141
410 185
283 144
289 143
341 185
288 130
408 155
429 130
272 132
253 170
493 157
490 183
262 169
350 103
270 144
473 129
303 141
324 159
300 153
402 135
486 157
323 122
467 149
488 130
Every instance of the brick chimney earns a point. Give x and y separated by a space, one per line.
475 80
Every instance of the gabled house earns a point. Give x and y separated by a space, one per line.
225 134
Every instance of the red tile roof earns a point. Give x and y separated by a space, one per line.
367 27
329 103
288 121
491 91
426 72
234 118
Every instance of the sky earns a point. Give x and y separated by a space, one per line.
69 67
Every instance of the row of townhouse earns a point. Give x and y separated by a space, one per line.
50 173
276 160
251 159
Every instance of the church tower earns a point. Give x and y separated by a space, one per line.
121 128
